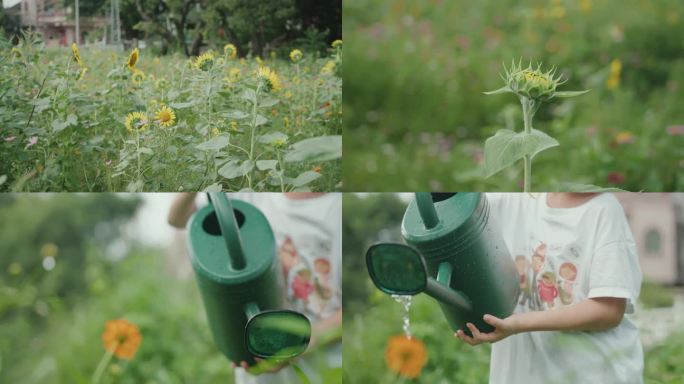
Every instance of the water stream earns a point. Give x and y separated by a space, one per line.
405 301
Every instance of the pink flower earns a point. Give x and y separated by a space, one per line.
616 178
31 142
675 130
10 138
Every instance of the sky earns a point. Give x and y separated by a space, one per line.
9 3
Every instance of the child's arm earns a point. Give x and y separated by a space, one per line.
182 208
595 314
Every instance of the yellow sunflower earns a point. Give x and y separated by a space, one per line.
165 116
405 356
204 62
296 55
136 121
122 338
138 77
328 68
270 78
336 44
133 58
76 53
230 51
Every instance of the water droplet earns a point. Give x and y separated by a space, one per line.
406 302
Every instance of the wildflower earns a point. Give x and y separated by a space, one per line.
49 250
270 78
336 44
136 121
328 68
616 178
296 55
205 61
215 131
31 142
259 61
76 54
406 356
138 77
133 58
615 70
317 169
624 138
675 130
230 51
165 116
122 338
532 83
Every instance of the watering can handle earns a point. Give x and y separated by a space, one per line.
229 229
427 210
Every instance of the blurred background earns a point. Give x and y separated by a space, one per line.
417 119
371 317
71 262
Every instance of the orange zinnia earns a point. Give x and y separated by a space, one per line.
405 355
122 338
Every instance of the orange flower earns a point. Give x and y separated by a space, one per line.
122 338
405 355
317 169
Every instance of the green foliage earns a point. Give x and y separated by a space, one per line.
655 295
65 129
663 363
417 117
506 147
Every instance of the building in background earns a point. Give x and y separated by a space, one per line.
56 22
657 222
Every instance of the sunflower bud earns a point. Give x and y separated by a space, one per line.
533 83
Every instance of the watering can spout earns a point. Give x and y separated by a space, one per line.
400 269
230 230
426 208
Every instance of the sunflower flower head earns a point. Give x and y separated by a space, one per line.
296 55
133 58
136 121
336 44
204 62
230 51
405 356
329 68
122 338
76 54
269 78
533 83
165 116
138 77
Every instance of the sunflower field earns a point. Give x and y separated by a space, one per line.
95 119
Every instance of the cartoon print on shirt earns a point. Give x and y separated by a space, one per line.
568 274
547 288
538 259
309 286
523 266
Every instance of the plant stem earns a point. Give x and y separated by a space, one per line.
106 358
280 174
527 106
254 121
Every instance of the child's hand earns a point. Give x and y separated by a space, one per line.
502 329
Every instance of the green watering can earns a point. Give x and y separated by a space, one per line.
454 254
233 253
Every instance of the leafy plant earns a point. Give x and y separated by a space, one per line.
506 147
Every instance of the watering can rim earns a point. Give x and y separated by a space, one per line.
266 311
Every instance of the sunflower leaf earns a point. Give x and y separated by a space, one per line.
506 147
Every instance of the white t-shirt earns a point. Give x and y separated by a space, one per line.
308 234
563 256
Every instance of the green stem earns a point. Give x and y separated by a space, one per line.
106 358
280 174
137 149
528 113
254 120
